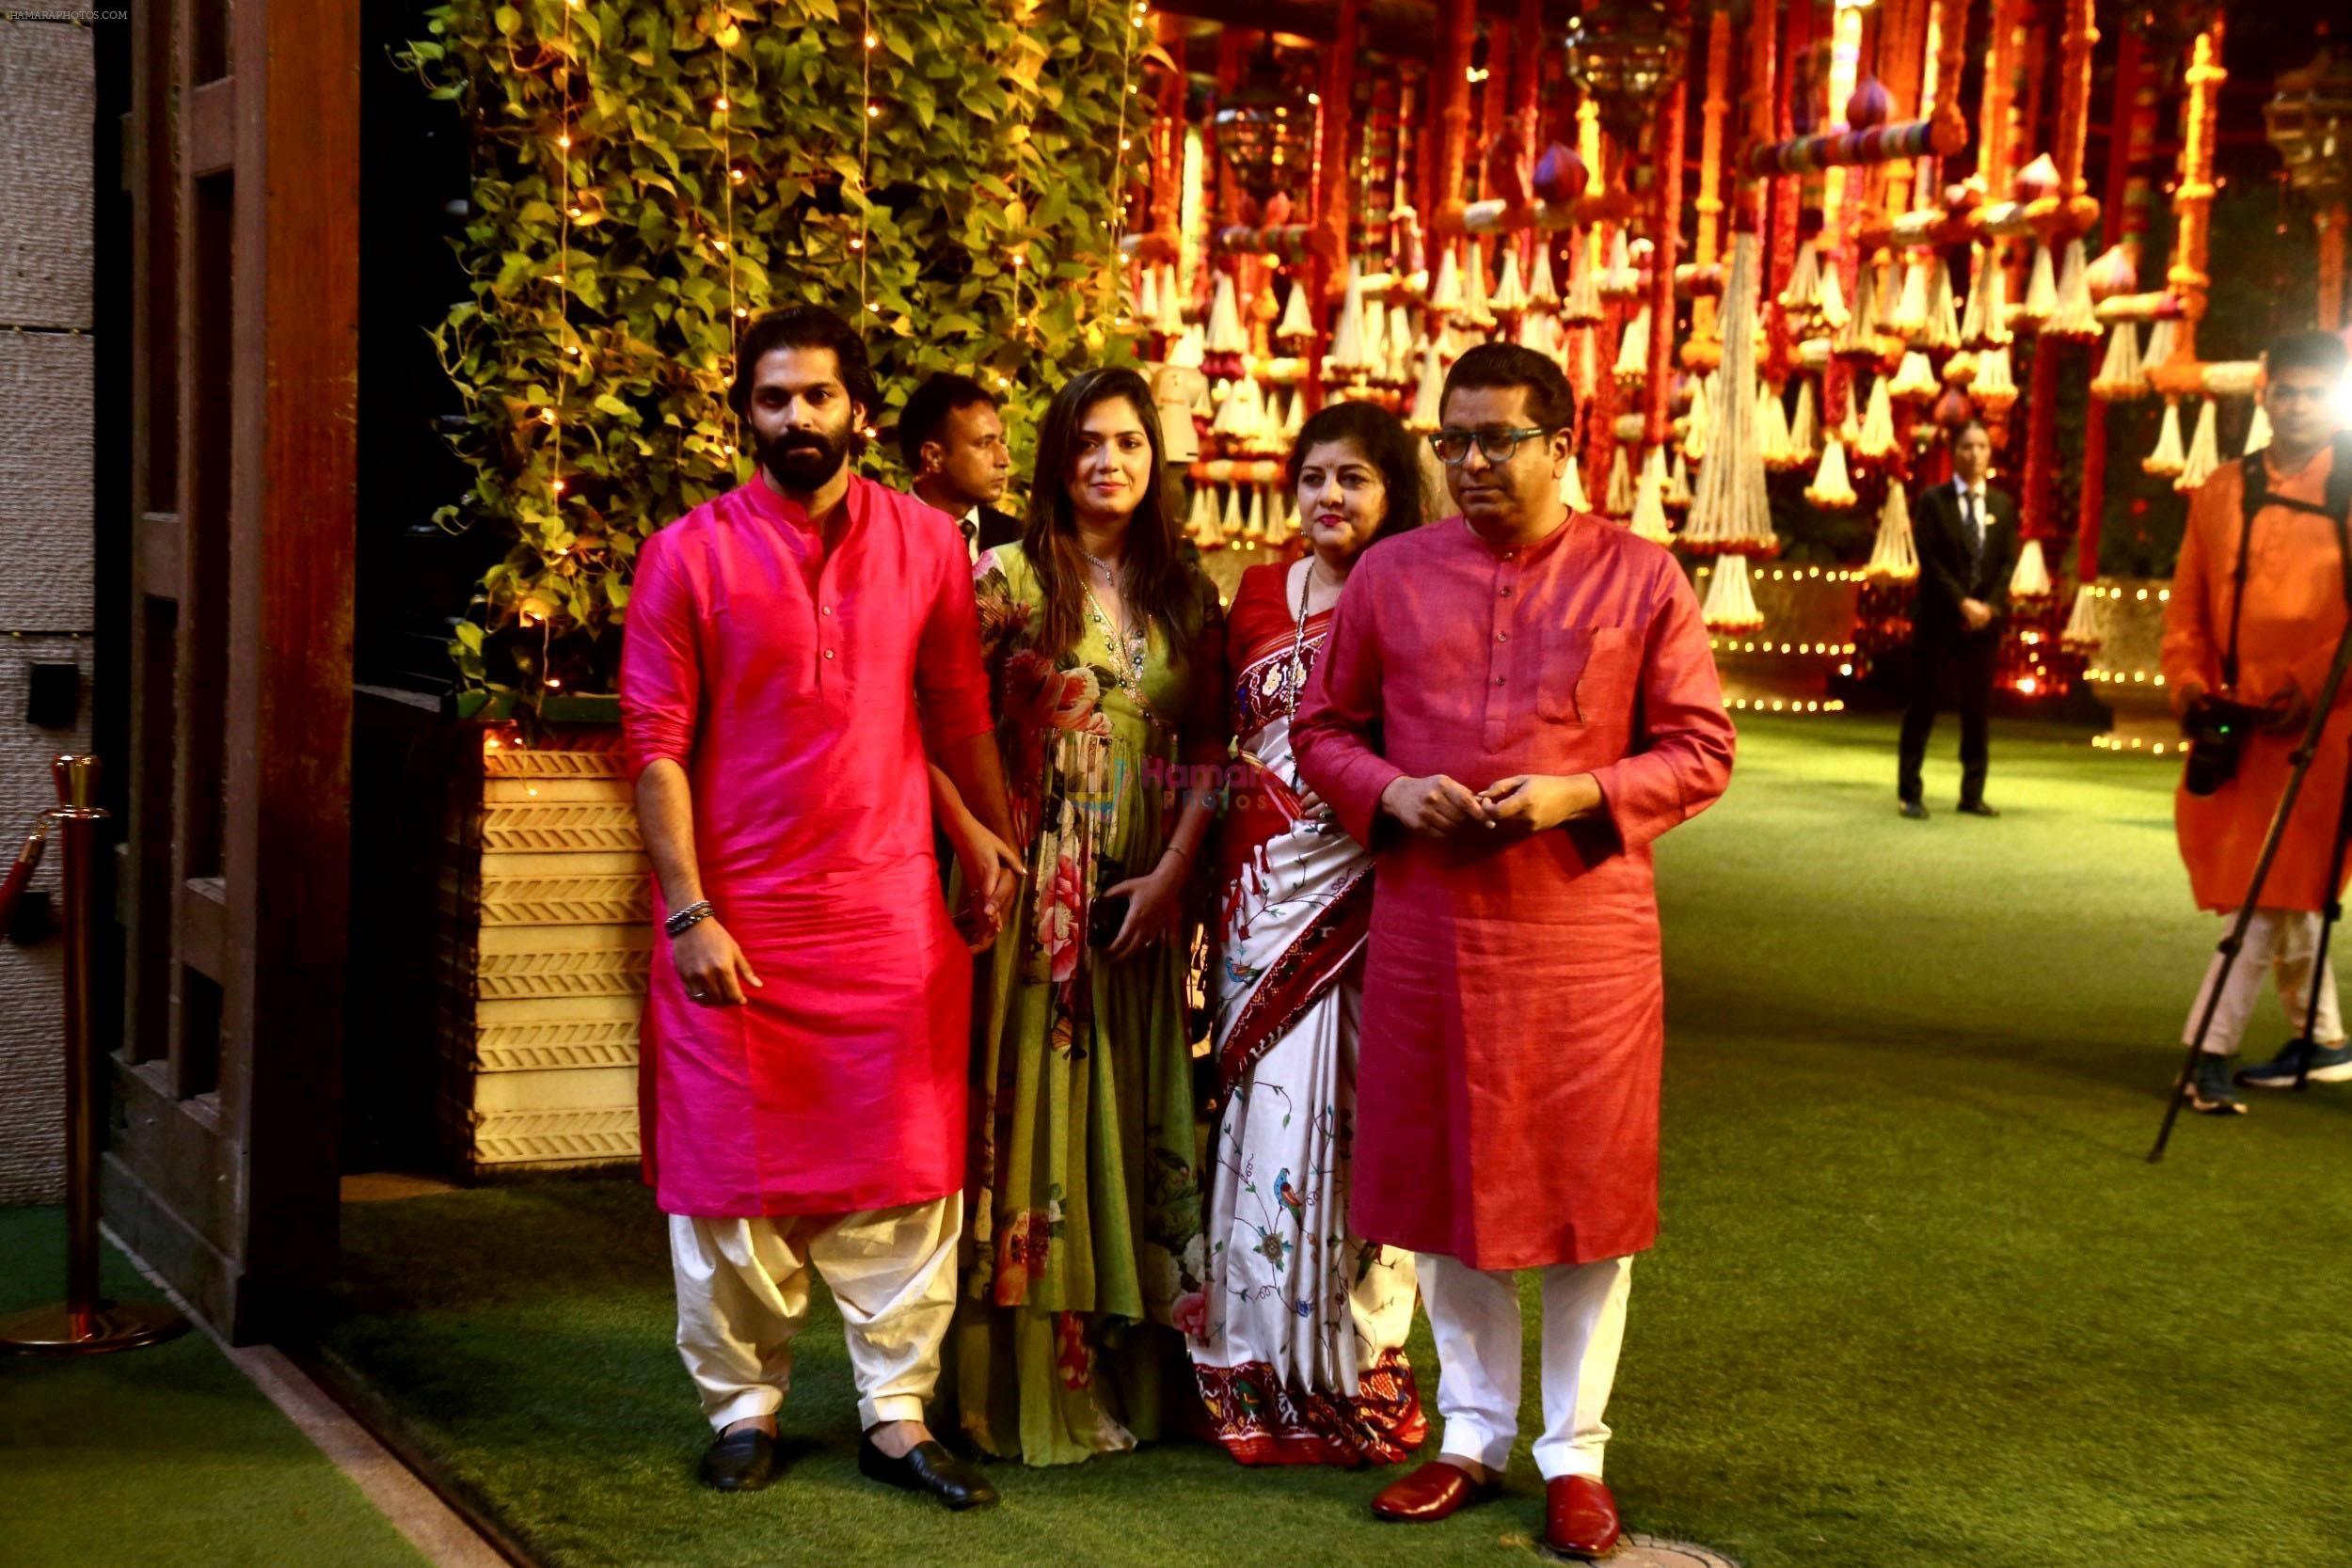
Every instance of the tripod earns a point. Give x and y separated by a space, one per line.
2332 907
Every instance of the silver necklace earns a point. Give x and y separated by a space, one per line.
1136 640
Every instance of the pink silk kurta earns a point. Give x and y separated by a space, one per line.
2293 613
1514 1009
798 691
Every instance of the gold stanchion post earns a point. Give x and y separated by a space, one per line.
84 1323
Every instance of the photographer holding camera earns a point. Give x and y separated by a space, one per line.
2259 600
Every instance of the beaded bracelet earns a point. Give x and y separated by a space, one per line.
688 918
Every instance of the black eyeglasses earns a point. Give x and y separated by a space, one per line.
1452 447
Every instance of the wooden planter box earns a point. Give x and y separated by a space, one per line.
547 935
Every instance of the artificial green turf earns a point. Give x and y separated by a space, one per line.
160 1458
1920 1300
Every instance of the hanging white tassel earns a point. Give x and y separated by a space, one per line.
1986 321
1804 426
2075 316
1803 294
2258 433
1581 307
1510 294
1350 356
1477 305
2204 449
1225 329
1200 521
1618 502
1943 315
1623 279
1376 334
1445 295
1678 494
1294 417
1649 500
2163 337
2086 624
1893 558
1535 333
1278 520
1401 342
1171 318
2121 377
1859 336
2169 457
1428 395
1829 298
1909 319
1995 385
1831 490
1730 601
1147 304
1886 291
1633 349
2041 289
1541 295
1876 439
1771 430
1572 494
1233 520
1253 521
1730 509
1697 424
1915 378
2031 580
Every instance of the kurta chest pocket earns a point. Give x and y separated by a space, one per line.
1587 674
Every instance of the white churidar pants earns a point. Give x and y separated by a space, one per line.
1475 1317
2283 942
743 1296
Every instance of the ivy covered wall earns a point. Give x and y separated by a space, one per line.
649 174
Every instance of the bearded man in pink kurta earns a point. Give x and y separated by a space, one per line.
1513 704
798 652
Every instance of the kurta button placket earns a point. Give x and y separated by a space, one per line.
1496 730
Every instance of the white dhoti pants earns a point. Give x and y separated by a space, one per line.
743 1296
2282 942
1475 1317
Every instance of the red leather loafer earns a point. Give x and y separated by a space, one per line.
1580 1517
1436 1491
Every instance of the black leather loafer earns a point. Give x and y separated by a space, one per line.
743 1459
1914 810
1976 808
956 1484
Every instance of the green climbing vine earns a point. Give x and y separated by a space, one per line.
650 174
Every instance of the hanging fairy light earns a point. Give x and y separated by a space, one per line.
1115 274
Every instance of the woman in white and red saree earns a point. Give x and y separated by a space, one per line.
1299 1338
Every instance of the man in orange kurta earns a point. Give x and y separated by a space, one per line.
2293 612
1514 703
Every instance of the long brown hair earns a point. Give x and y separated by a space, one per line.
1155 579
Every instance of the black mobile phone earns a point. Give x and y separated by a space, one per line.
1105 916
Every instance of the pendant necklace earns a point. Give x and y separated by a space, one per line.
1136 640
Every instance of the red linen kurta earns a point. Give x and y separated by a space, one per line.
1513 1010
2293 614
798 691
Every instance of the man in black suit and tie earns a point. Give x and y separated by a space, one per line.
1966 536
954 446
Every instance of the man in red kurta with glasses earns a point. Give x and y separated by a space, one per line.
1513 704
797 652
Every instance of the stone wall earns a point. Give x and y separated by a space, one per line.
47 100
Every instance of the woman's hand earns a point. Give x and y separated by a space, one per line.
711 967
991 881
1154 904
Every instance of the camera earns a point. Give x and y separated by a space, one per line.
2216 730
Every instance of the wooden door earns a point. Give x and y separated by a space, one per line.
243 165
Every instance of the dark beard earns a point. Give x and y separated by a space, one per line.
801 461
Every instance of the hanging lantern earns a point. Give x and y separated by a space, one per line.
2309 122
1265 132
1625 56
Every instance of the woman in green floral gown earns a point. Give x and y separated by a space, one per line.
1084 1227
